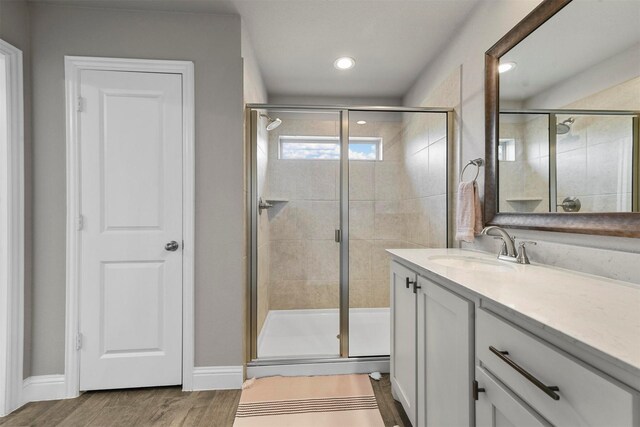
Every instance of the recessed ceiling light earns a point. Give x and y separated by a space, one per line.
506 66
344 63
361 122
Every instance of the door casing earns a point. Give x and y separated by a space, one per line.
12 234
73 67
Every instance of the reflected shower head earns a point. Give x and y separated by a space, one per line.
564 127
273 123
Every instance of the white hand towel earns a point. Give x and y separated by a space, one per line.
469 215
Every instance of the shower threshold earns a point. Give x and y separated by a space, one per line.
312 333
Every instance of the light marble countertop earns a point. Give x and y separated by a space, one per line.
599 313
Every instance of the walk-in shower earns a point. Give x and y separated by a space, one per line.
569 161
331 189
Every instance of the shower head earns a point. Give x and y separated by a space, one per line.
273 123
565 126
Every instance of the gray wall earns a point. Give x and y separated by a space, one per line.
14 29
213 42
620 258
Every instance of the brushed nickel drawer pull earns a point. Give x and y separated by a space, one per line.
550 390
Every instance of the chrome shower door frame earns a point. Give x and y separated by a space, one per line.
251 120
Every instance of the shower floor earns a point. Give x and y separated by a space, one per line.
313 333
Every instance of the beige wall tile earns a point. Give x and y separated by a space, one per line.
323 260
359 259
436 214
318 220
388 180
389 222
283 221
610 166
572 172
437 124
361 180
361 219
436 182
608 129
288 260
301 294
318 180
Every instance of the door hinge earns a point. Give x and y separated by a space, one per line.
476 390
338 235
80 222
80 104
78 341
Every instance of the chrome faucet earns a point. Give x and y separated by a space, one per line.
508 247
508 251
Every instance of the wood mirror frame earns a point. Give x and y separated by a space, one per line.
626 224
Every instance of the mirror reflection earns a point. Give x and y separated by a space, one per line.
569 103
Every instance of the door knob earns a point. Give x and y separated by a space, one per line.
172 246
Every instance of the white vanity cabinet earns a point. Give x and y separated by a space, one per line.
497 406
431 350
445 356
403 338
557 386
476 349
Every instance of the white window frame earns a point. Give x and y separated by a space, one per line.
331 140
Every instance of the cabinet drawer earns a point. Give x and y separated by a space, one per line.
586 397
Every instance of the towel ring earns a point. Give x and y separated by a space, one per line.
475 162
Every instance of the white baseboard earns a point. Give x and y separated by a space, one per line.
323 368
44 387
217 378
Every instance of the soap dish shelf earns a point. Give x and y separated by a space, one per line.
525 200
268 203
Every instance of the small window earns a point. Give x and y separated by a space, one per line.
328 148
507 150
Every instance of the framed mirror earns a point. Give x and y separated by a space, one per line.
562 120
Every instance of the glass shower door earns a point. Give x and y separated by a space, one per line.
397 199
298 186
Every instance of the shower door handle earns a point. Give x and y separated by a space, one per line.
338 235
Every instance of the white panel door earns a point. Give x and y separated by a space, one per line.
403 339
131 204
445 357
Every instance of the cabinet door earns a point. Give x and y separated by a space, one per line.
403 338
497 406
445 357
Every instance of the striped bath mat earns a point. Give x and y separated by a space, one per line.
336 400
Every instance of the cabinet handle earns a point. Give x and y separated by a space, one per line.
548 389
410 282
416 287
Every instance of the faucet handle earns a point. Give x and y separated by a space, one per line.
522 257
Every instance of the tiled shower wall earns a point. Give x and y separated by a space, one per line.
524 182
398 202
595 163
593 158
262 159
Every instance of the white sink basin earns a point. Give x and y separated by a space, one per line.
472 263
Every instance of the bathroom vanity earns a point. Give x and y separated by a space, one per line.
477 341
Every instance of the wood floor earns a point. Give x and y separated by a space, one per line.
167 406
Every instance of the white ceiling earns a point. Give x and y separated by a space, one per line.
297 41
583 34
